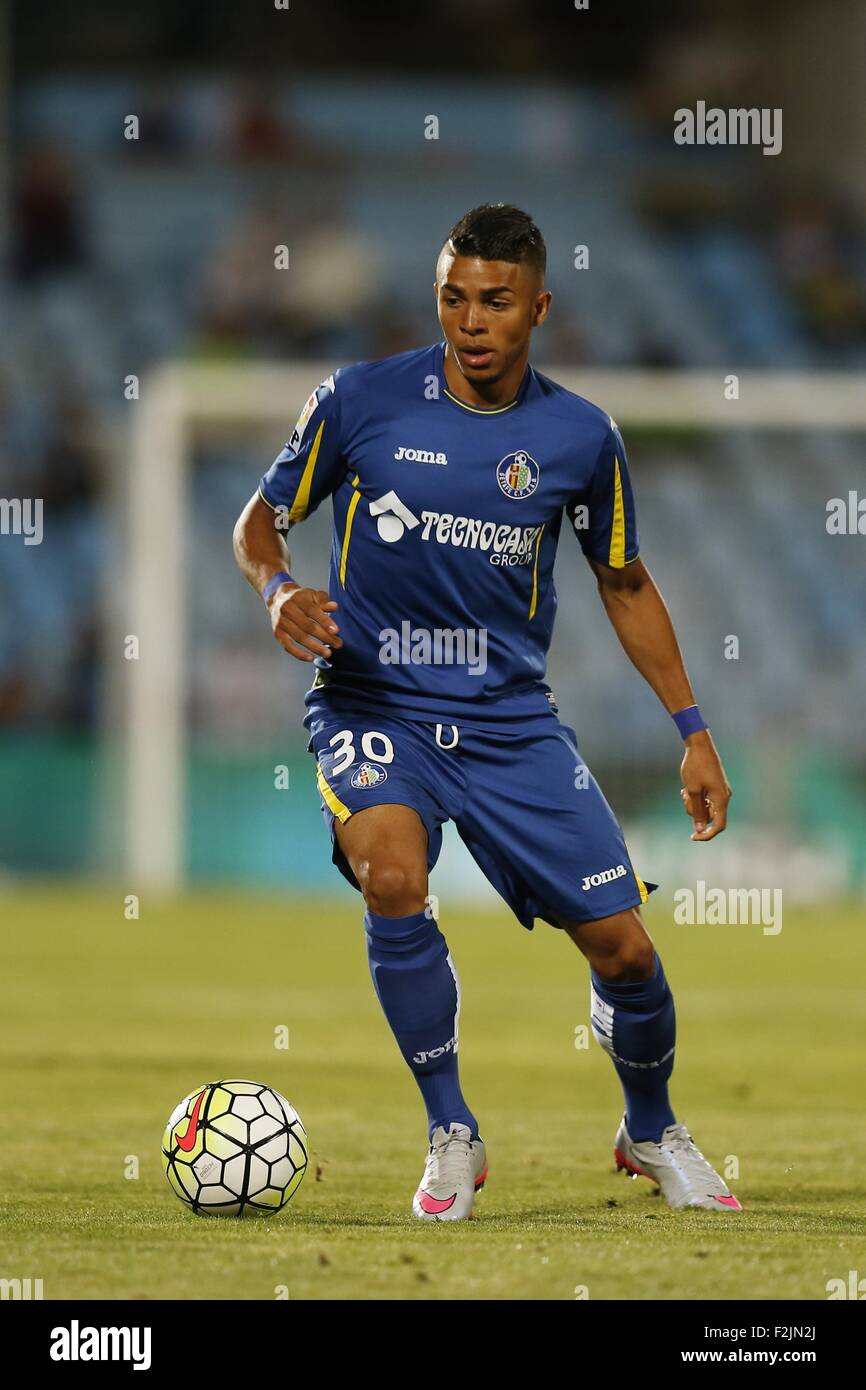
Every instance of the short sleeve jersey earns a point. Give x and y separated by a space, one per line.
446 520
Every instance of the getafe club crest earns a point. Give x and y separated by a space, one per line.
368 775
517 474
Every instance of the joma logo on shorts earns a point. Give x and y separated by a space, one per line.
593 880
420 455
450 1046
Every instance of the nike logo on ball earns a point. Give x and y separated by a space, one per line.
188 1141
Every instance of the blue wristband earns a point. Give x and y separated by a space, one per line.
283 577
689 720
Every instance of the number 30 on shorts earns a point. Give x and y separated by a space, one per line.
344 747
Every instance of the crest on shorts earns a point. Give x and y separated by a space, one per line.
517 474
368 775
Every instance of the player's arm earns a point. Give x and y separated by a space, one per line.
300 618
603 515
306 470
643 625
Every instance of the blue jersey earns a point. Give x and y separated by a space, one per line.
446 522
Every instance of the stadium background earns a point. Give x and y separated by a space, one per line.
305 127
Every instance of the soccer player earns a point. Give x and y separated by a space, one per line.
450 469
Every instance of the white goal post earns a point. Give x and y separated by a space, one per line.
177 399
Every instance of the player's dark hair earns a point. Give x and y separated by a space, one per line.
499 232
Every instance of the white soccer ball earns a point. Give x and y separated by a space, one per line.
233 1148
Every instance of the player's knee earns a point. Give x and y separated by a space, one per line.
632 960
392 889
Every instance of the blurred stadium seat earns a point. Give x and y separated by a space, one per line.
145 272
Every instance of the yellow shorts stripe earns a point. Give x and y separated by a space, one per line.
302 496
344 553
616 558
330 798
641 886
534 599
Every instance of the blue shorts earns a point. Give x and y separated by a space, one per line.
524 803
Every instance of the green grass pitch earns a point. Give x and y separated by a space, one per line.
107 1023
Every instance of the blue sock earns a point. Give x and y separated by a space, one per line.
417 986
636 1025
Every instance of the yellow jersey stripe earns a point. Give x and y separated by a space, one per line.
497 410
302 496
266 502
344 553
535 574
330 798
616 557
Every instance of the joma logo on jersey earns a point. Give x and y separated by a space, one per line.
606 875
420 455
450 1046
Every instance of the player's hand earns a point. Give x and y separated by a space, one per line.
302 623
705 792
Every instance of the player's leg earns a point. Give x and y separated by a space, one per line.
633 1019
632 1016
387 787
550 842
386 848
412 968
417 985
540 828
